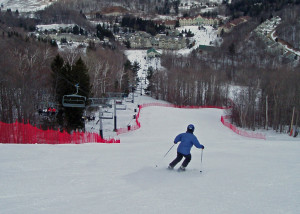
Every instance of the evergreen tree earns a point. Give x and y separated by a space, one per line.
76 30
56 67
135 68
127 80
79 74
65 77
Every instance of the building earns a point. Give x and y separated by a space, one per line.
229 26
170 24
198 21
144 40
152 53
114 11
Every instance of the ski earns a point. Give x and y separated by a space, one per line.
181 170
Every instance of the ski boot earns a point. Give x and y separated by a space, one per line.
181 169
170 167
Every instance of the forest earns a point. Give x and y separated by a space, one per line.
264 86
32 78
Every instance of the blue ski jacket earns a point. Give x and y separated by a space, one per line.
187 140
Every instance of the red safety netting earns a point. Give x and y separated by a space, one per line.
241 132
20 133
179 106
138 125
225 123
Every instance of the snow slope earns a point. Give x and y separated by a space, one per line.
25 5
206 36
240 175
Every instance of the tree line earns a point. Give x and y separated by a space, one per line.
147 6
35 75
139 24
259 8
261 87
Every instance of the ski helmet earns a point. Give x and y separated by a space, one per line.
191 128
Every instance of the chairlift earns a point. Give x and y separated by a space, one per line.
106 115
74 100
121 107
116 95
118 102
96 102
128 99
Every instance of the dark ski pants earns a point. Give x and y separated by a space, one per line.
179 158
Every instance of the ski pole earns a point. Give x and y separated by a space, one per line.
167 153
169 150
201 160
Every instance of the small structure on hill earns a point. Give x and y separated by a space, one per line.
153 53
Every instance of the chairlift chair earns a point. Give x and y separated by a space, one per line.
106 115
74 100
96 102
121 107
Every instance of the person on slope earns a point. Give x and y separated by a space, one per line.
187 140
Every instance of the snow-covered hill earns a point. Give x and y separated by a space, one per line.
25 5
240 175
206 35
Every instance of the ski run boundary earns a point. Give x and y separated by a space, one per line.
21 133
223 119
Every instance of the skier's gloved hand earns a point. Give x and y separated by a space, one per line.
202 147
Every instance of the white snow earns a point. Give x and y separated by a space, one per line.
206 36
54 27
26 5
240 175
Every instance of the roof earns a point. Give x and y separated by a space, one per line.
152 50
206 48
170 22
240 20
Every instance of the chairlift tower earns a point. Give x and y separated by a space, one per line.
100 121
105 102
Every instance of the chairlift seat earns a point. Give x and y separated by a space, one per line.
128 100
74 101
121 107
106 115
96 102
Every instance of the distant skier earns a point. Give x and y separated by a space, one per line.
187 140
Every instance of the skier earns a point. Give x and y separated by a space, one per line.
187 140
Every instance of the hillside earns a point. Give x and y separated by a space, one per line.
263 63
25 6
240 175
